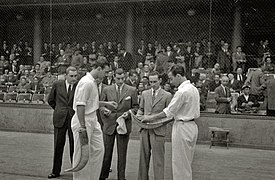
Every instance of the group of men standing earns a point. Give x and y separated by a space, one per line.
96 114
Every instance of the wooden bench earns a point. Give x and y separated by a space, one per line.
215 138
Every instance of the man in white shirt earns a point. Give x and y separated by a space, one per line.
86 102
184 108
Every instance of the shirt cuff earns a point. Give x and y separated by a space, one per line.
168 113
80 103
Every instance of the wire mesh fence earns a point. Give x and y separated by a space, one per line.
213 36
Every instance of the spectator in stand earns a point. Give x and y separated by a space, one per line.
215 83
234 85
263 49
27 75
49 68
145 82
198 55
109 78
203 84
159 49
223 97
116 63
225 59
152 65
14 67
77 59
194 77
6 65
170 54
139 68
23 86
269 67
167 87
101 50
11 79
46 52
5 51
85 50
246 101
146 71
126 61
86 65
36 87
162 75
209 59
240 76
239 59
48 80
256 82
63 62
133 79
162 61
216 69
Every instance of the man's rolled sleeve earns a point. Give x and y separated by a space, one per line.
82 98
174 105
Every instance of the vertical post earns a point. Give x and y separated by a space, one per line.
129 29
37 35
237 33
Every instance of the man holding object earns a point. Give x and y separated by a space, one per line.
184 108
86 103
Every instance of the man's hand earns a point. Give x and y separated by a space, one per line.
147 118
229 99
112 104
105 111
125 114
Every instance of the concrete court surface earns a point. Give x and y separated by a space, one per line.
28 156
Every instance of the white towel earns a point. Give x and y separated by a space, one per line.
121 128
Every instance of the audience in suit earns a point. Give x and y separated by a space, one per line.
215 83
126 97
234 85
133 79
224 59
246 101
223 97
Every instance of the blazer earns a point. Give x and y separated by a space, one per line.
241 99
147 107
127 62
223 106
128 100
61 103
236 85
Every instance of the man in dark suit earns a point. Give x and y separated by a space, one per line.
126 98
246 101
61 100
133 79
223 97
234 85
153 101
224 59
126 60
240 76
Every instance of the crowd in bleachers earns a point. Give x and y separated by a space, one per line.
205 63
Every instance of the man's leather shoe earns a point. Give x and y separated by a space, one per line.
52 175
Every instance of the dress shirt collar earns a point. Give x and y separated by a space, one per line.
184 83
121 87
156 92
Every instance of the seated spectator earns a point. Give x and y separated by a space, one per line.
240 76
246 101
63 62
36 87
238 58
146 71
269 67
11 79
223 97
216 69
167 87
203 85
133 79
23 86
145 82
86 65
152 65
215 83
202 100
139 68
77 59
109 78
28 75
115 64
163 76
234 85
49 68
194 77
14 67
48 80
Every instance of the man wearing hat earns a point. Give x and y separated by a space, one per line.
246 101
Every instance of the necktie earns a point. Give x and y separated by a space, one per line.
69 91
240 78
153 96
118 93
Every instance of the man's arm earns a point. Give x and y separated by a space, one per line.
51 99
81 115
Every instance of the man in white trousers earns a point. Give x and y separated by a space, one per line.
184 108
85 104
